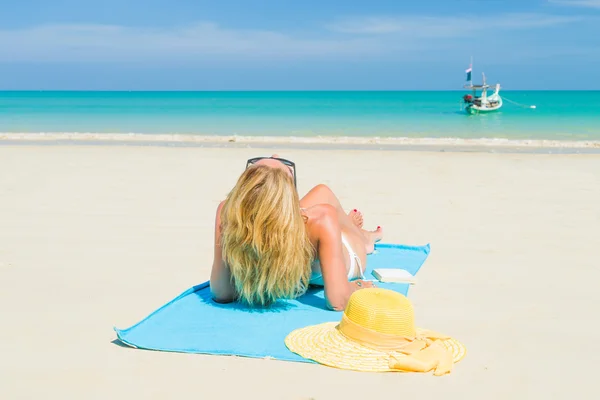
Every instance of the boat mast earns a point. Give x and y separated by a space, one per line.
483 89
471 82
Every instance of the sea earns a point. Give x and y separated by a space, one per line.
558 115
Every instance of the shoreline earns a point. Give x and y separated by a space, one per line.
312 142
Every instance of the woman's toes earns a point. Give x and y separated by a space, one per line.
378 234
357 217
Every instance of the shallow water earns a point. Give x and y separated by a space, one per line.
559 115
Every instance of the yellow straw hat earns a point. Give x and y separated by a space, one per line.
377 334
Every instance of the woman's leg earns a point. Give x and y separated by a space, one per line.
362 241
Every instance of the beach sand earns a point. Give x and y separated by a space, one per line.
93 237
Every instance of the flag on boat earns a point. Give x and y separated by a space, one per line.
468 71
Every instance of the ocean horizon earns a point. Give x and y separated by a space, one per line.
558 115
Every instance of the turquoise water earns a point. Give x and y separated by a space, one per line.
559 114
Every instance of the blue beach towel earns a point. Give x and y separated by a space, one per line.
194 323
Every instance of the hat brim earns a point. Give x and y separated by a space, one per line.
324 344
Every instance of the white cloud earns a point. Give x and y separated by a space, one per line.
206 42
201 41
425 26
577 3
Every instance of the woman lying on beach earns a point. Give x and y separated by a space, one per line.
270 244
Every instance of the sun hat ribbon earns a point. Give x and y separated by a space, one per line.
421 353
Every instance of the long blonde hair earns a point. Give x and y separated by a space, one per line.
264 239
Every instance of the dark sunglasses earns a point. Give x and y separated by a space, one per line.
285 162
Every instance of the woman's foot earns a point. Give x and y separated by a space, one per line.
372 237
356 217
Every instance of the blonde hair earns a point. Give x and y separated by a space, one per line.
264 239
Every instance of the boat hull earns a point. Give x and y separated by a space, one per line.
474 109
478 110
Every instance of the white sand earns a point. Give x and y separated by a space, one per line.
93 237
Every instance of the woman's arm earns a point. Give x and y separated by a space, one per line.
331 257
220 277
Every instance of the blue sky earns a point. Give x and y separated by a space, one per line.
297 45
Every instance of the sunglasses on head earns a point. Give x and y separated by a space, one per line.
290 164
